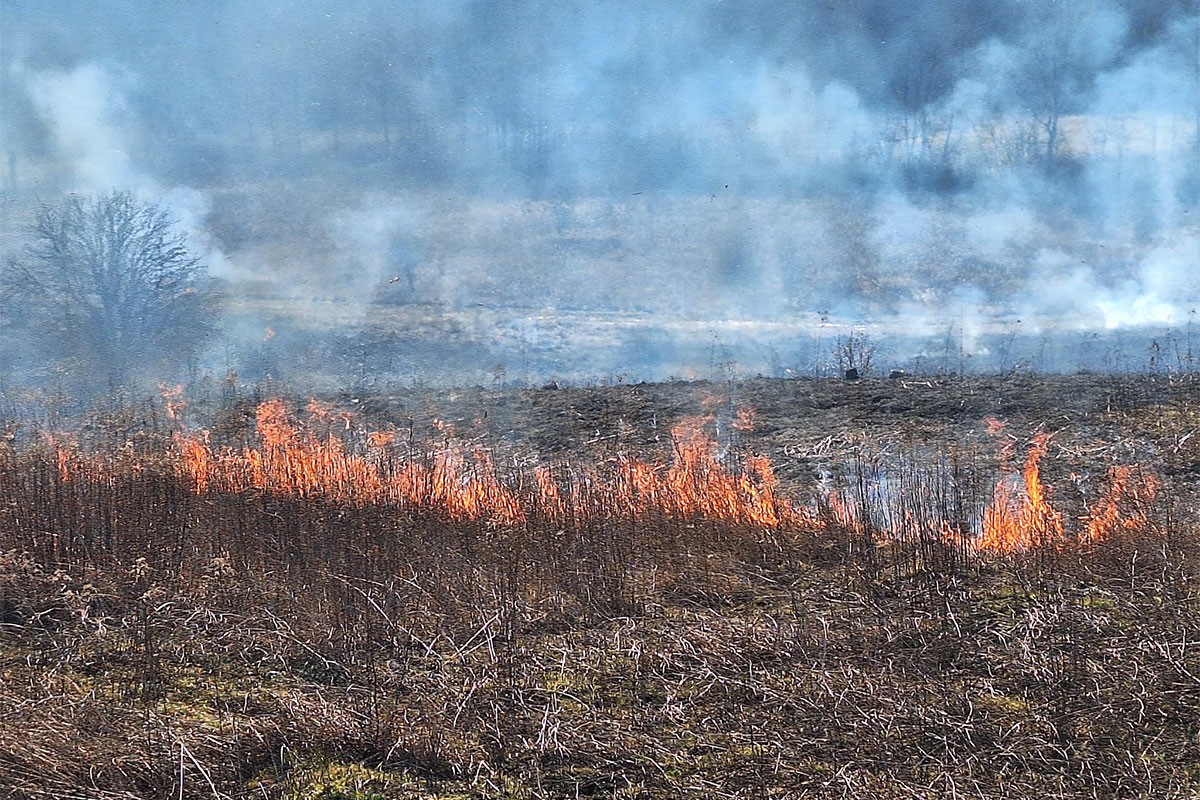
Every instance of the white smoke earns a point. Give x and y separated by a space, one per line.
378 240
85 116
794 118
95 136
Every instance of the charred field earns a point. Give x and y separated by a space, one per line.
924 587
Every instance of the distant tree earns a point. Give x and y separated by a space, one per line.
1068 43
1047 85
108 288
854 354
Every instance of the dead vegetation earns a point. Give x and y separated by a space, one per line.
281 634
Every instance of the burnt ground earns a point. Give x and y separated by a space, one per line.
806 424
429 659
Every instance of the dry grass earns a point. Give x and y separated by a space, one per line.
159 642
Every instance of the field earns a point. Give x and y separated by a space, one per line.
971 587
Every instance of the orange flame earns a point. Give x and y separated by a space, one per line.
66 453
273 424
378 440
1013 523
745 419
198 459
1124 504
325 457
294 461
466 486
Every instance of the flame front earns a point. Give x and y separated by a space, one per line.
464 485
1125 504
328 458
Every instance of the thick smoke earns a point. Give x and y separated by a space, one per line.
683 173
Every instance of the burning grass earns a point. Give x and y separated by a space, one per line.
318 605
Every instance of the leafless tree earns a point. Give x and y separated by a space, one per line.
854 353
109 287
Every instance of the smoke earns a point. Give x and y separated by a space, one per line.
381 242
95 136
83 115
794 121
1081 152
944 164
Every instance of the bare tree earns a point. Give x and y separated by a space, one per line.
854 354
108 287
1063 54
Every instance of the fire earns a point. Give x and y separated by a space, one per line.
292 460
464 484
66 454
274 425
327 414
197 459
380 439
745 419
1124 504
697 484
328 458
1018 521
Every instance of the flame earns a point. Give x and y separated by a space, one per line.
697 484
326 457
1124 504
465 485
377 440
994 426
197 457
840 512
328 414
294 461
1017 521
66 453
745 419
274 425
